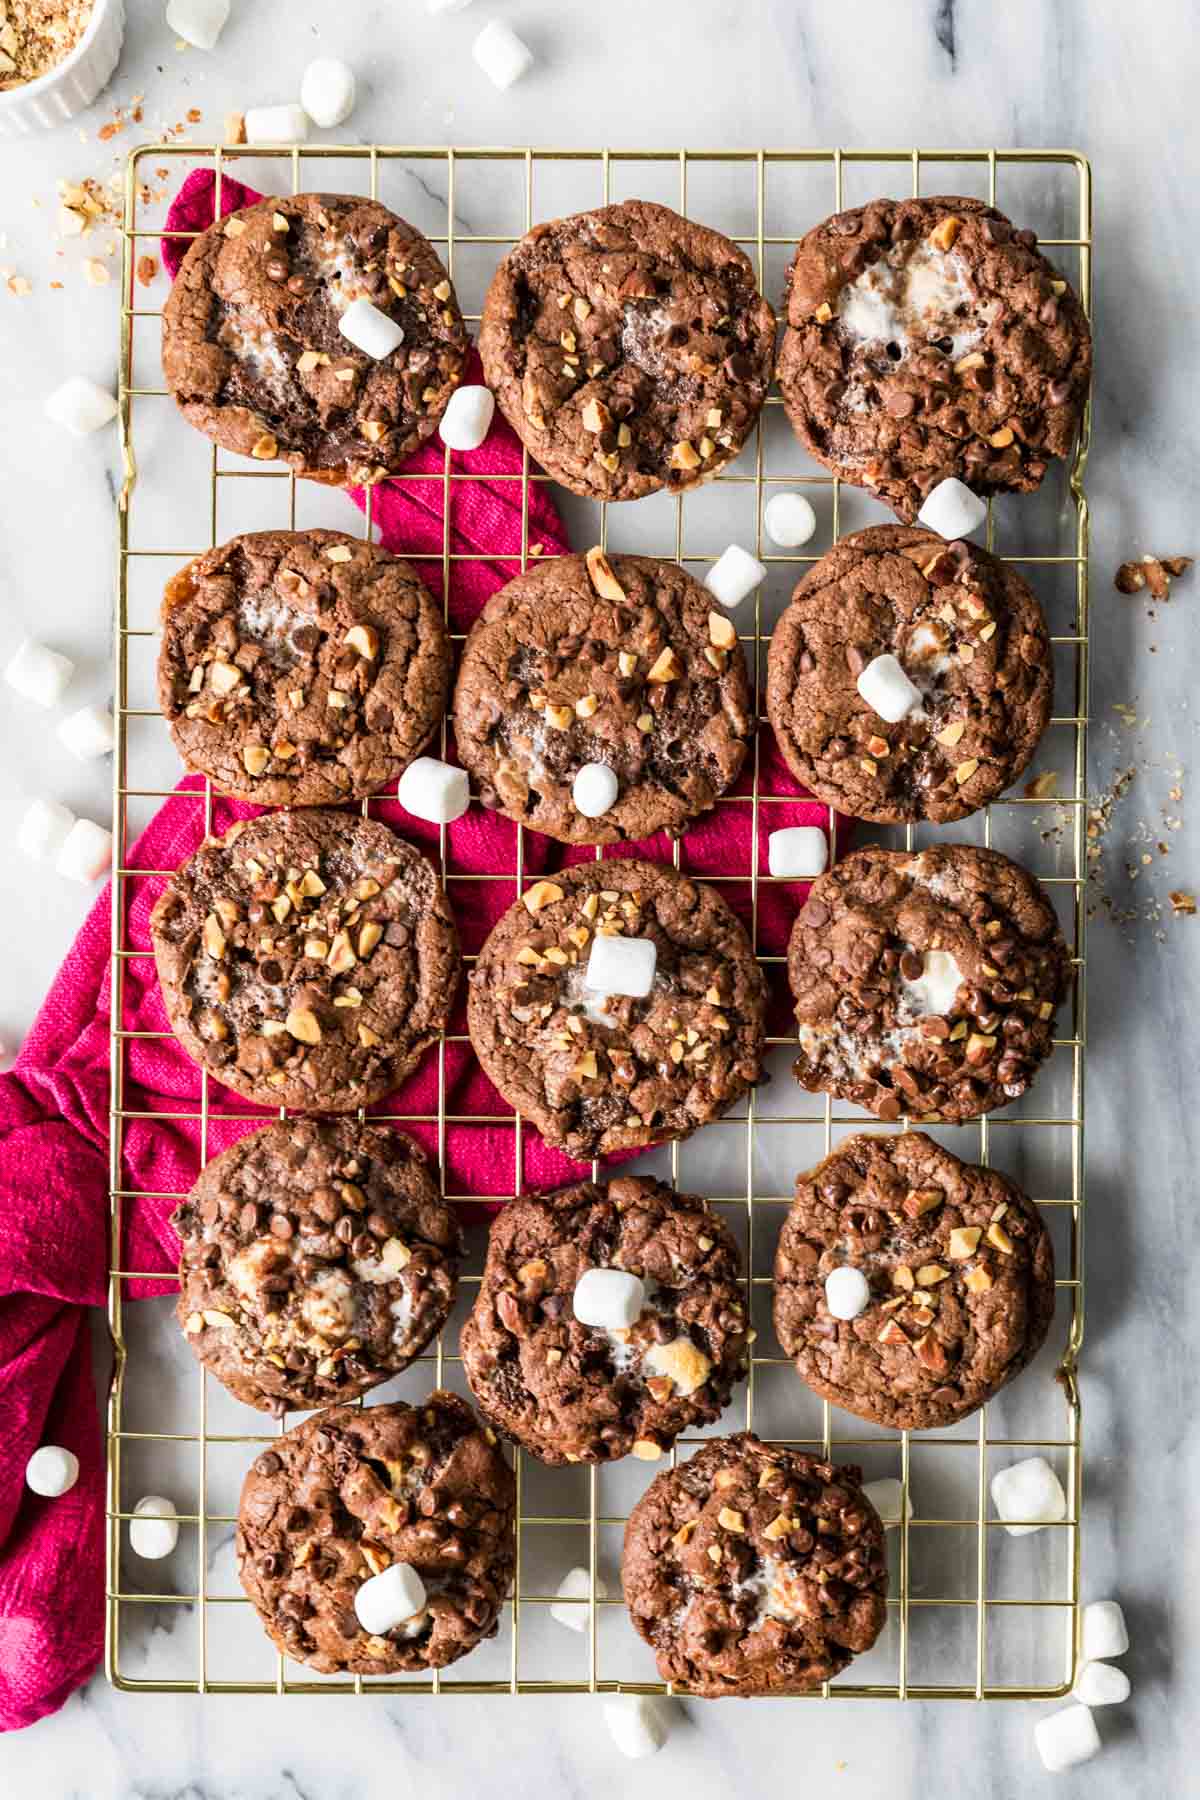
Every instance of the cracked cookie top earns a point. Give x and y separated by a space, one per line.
755 1569
307 959
301 668
571 1392
318 1260
970 637
929 338
625 662
926 983
961 1275
628 348
252 351
342 1497
597 1072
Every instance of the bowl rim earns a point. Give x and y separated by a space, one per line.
43 83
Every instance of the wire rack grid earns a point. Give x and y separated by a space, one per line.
953 1569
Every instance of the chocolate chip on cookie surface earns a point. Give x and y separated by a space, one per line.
572 1391
620 665
301 668
254 355
930 338
318 1259
755 1569
596 1069
628 348
926 983
307 959
357 1491
972 643
961 1275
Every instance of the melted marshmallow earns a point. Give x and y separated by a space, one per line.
935 988
914 298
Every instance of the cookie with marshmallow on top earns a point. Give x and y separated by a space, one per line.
610 1318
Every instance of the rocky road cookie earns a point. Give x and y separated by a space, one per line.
928 338
318 1260
597 1072
254 357
301 668
571 1392
970 637
961 1276
754 1569
629 349
348 1493
926 984
307 959
624 666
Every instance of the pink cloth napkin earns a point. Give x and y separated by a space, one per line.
54 1106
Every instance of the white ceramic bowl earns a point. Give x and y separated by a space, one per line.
72 84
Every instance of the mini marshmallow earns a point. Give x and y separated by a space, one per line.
789 519
1066 1738
734 575
277 125
39 674
387 1599
468 418
87 852
44 829
952 510
610 1299
576 1585
154 1533
622 965
369 329
52 1471
1028 1490
1099 1684
501 55
88 733
328 91
594 790
887 690
847 1292
199 22
81 405
887 1497
798 852
434 790
637 1724
1104 1631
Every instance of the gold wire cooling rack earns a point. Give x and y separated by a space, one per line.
973 1613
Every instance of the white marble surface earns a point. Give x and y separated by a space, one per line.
1103 76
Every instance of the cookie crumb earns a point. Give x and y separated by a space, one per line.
1152 572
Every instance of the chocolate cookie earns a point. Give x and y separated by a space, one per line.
926 983
928 338
571 1392
252 350
961 1276
301 668
342 1497
629 349
307 959
598 1072
318 1260
626 664
969 636
754 1569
